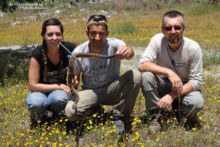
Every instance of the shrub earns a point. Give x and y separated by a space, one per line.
124 28
211 57
13 64
204 7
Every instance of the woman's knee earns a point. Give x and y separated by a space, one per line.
35 100
58 96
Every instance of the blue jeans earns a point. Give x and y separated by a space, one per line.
39 102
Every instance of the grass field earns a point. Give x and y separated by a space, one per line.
15 131
203 25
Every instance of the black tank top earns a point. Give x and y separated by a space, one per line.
53 74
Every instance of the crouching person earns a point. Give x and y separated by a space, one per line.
172 73
102 83
47 74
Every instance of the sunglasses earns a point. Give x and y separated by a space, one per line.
97 17
175 28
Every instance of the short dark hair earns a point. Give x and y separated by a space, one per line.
173 14
97 19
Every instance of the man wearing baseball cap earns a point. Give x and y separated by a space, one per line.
102 82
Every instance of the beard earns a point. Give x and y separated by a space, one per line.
97 44
174 39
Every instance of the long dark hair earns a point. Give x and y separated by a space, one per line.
46 23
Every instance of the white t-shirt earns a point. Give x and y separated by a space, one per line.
98 72
186 61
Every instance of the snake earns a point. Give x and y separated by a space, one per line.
70 72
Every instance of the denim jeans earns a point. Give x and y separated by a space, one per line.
39 102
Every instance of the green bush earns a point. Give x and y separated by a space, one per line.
123 28
204 7
13 65
210 59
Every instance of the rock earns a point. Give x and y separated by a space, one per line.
14 47
57 12
2 14
103 12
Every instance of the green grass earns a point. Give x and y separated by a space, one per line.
123 28
15 131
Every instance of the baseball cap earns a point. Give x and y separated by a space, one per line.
97 19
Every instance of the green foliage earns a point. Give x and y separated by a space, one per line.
211 59
14 65
108 6
4 25
204 7
124 28
8 5
11 5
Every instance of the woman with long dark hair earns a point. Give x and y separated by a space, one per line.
47 73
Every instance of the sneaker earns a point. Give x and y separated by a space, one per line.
49 114
33 124
155 124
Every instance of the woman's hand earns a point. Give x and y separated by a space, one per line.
65 88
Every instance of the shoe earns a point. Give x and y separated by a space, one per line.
75 127
120 127
33 124
192 122
49 113
155 124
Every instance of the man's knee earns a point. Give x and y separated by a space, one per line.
132 76
147 80
136 77
72 113
193 103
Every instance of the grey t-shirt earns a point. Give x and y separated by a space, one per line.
98 72
186 61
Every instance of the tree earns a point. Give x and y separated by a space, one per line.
11 5
4 5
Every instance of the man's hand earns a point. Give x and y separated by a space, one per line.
125 52
165 101
65 88
176 82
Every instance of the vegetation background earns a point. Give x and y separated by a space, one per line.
135 22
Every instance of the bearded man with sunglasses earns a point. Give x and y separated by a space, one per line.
102 83
172 72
